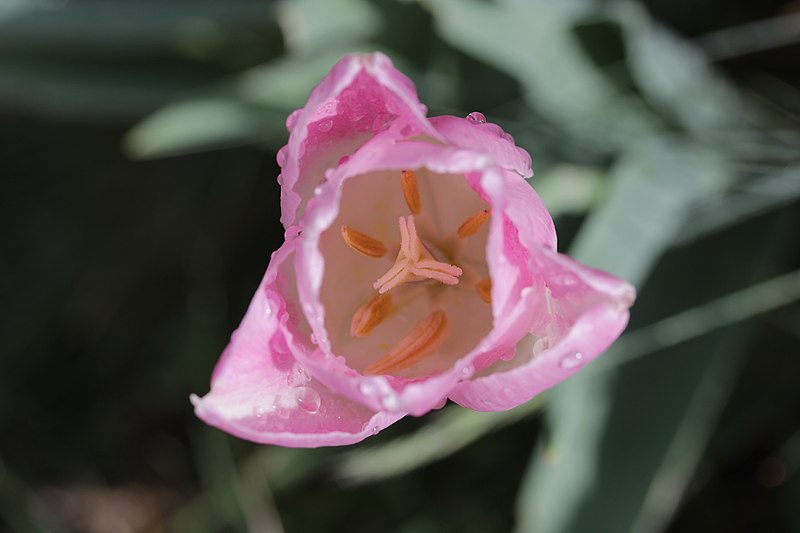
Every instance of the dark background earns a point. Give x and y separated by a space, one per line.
139 208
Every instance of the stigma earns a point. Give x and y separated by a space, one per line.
414 262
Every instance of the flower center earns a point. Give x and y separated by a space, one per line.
412 281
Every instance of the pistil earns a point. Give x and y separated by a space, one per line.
414 262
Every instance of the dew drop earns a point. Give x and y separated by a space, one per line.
466 370
259 412
324 125
283 404
282 156
291 120
390 402
381 122
477 116
572 361
314 339
367 388
374 430
290 379
308 399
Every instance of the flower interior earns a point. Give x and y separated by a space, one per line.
406 270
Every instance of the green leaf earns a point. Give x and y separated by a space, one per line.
539 48
651 194
311 26
453 429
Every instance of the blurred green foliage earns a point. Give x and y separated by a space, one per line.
139 209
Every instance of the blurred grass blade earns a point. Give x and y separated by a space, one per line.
311 26
712 315
753 37
676 77
539 48
569 189
453 429
652 191
754 198
250 107
201 124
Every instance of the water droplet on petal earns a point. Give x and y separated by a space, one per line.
477 116
572 361
283 404
367 388
291 120
308 399
259 412
390 402
314 339
282 156
375 430
381 122
466 370
324 125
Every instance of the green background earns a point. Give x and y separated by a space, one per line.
139 208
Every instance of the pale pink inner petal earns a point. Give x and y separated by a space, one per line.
373 204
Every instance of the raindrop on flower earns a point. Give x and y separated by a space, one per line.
325 125
308 399
282 156
259 412
291 120
477 116
390 402
572 361
367 388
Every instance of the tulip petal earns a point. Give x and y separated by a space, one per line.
506 253
259 392
362 95
486 138
580 311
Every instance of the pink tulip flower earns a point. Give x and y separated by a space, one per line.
418 266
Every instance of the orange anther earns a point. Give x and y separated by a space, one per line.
484 288
362 243
421 342
473 223
408 182
370 315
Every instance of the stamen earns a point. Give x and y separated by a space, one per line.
414 262
370 315
473 224
418 344
484 288
362 243
408 182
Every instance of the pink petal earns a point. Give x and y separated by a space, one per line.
259 392
584 312
486 138
506 254
362 95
